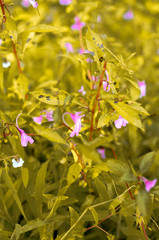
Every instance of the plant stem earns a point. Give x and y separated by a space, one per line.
96 100
144 230
15 52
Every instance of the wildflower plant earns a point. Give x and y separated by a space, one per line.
81 160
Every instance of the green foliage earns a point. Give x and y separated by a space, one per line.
90 185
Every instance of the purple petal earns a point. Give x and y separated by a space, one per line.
78 25
120 122
25 3
49 116
142 86
102 152
69 47
128 15
148 184
65 2
33 3
38 119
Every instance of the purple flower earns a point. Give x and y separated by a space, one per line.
17 163
69 47
26 3
65 2
38 119
120 122
0 41
99 18
77 120
48 116
24 137
78 25
142 86
148 184
128 15
82 90
81 51
101 152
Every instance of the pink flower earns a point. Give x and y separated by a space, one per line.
128 15
26 3
78 25
24 137
77 120
101 152
48 116
69 47
81 51
120 122
38 119
148 184
142 86
82 90
65 2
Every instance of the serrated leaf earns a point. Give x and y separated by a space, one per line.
127 113
25 176
10 185
48 133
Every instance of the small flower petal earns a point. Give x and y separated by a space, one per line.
69 47
77 120
148 184
82 90
38 119
33 3
65 2
128 15
78 25
49 116
6 64
101 152
17 163
120 122
142 86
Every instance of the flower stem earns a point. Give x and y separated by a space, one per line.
15 52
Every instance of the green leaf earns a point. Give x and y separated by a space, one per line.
21 86
39 187
127 113
10 185
25 176
95 45
146 162
74 215
55 97
73 173
95 215
144 203
106 118
102 190
51 135
55 204
12 28
44 28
